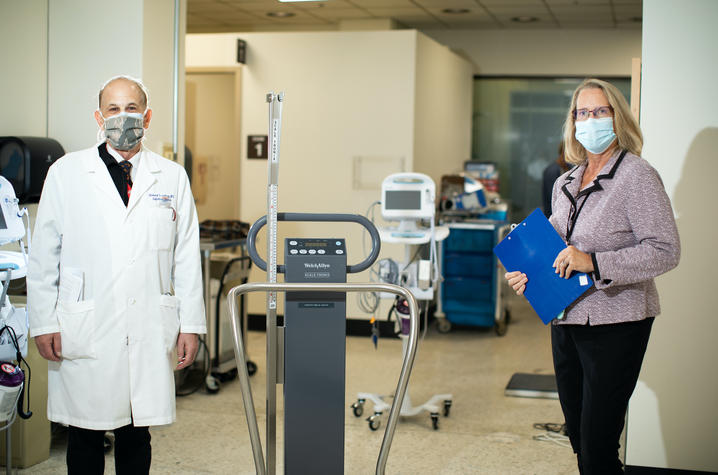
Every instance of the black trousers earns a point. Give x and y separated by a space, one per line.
597 369
86 455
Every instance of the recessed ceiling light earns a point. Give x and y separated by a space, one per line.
455 11
281 14
524 19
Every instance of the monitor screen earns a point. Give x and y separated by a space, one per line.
403 199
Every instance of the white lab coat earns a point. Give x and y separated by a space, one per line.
142 285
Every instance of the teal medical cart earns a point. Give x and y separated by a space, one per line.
472 281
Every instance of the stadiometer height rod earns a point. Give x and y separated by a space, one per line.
275 131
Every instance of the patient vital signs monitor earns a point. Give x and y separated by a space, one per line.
407 197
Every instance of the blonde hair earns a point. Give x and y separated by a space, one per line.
627 130
136 82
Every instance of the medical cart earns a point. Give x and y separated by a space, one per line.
471 289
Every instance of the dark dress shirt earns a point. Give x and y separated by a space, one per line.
116 173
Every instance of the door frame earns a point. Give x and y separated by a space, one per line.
236 71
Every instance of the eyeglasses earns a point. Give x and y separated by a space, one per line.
598 113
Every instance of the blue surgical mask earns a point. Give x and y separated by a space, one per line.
595 134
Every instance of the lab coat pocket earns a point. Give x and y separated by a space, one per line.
169 310
162 228
77 329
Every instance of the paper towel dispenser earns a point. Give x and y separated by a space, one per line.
24 161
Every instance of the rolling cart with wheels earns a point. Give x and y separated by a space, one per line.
471 289
215 362
432 406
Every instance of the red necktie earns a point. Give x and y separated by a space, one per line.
127 168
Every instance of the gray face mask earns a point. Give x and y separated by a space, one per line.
124 130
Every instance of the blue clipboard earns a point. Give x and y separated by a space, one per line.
531 247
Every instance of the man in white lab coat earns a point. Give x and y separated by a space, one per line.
115 286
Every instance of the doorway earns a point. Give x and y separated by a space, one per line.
212 136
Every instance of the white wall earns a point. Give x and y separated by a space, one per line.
545 52
673 418
348 94
442 130
54 64
23 56
82 58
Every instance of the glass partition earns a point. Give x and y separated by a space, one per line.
517 123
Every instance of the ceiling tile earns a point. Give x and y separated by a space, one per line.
473 15
382 3
341 14
427 23
209 7
331 5
595 13
244 2
510 3
513 11
199 20
626 12
265 6
542 21
441 4
251 14
229 17
392 12
578 2
569 25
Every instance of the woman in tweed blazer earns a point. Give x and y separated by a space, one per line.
612 211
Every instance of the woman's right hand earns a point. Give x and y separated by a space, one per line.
517 281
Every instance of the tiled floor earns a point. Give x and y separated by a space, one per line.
485 433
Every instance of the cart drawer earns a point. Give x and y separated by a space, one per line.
470 240
474 319
479 308
467 290
468 265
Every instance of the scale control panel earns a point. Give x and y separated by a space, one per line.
332 247
315 260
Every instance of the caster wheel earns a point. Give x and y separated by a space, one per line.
358 408
447 407
443 325
107 444
251 368
435 421
374 422
227 376
211 384
502 325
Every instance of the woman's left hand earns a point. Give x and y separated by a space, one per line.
570 260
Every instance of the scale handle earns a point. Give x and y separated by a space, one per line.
316 217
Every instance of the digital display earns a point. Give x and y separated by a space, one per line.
403 199
315 244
